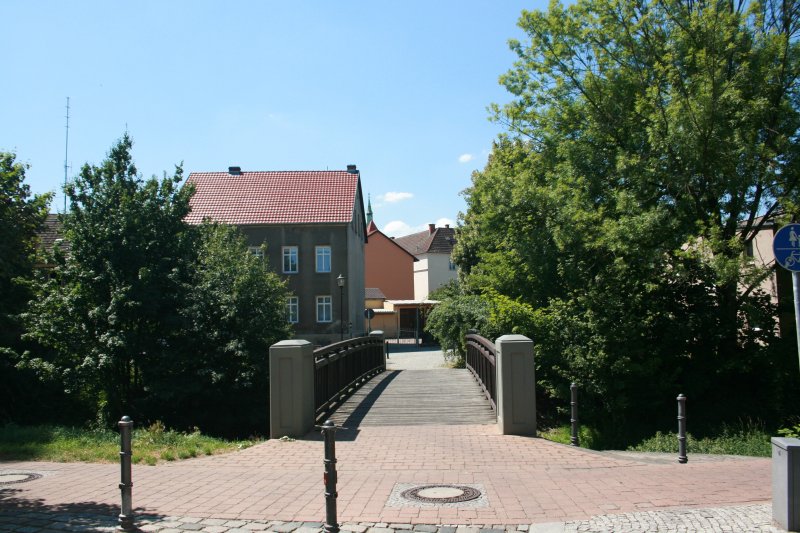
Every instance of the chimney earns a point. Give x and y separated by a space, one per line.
352 169
447 226
235 171
431 228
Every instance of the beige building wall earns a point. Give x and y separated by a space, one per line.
431 272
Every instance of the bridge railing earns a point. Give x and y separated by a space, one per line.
482 362
340 368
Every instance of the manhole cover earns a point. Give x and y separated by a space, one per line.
441 493
8 479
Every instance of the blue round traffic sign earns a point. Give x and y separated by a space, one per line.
786 246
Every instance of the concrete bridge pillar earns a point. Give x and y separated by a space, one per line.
291 388
516 385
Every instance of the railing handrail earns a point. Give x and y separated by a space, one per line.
340 368
481 361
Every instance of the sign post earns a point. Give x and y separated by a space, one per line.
786 246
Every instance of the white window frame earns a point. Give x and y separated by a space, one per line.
287 252
324 302
293 309
320 254
257 251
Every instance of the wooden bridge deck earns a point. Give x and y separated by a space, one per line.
417 397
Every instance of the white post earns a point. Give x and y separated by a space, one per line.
291 388
516 385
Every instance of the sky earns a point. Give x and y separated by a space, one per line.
398 88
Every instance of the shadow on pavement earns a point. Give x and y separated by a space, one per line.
36 515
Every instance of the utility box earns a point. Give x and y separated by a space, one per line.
786 482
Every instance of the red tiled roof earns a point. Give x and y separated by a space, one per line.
295 197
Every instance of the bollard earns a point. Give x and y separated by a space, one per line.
573 390
682 429
126 484
329 434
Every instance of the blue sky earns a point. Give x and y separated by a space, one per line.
398 88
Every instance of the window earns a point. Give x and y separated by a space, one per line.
257 251
324 307
323 258
292 310
451 265
290 259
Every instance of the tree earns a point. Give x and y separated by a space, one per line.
113 304
151 317
21 217
649 143
235 310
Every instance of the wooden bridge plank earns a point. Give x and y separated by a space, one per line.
417 397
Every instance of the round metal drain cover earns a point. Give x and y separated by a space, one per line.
8 479
441 494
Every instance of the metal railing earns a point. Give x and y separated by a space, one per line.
341 368
481 362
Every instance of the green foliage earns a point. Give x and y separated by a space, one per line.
792 432
649 143
449 321
21 216
151 317
750 441
587 437
100 445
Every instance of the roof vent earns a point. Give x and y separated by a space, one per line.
235 171
352 169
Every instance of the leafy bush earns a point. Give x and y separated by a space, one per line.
450 321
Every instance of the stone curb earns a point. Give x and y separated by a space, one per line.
752 518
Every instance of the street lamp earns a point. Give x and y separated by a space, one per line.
340 283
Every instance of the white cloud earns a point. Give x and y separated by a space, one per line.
442 222
397 228
392 197
465 158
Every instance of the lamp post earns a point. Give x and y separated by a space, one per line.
340 283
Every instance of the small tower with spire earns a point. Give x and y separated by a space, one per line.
369 209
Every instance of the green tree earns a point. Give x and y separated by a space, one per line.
235 310
151 317
22 214
113 305
649 143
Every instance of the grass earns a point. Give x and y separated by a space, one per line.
66 444
749 440
587 437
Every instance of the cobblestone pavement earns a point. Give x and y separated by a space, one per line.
744 518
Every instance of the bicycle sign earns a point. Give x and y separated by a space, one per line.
786 246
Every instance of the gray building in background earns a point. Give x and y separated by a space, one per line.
313 227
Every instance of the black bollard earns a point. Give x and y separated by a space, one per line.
682 429
329 434
125 522
573 390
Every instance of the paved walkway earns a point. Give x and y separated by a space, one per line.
526 484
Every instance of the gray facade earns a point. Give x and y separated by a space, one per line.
347 258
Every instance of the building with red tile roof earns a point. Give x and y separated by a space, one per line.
432 248
313 226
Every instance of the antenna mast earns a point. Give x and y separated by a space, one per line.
66 153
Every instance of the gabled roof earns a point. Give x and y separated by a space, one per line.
372 293
372 229
52 232
293 197
433 241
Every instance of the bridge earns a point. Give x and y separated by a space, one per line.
353 386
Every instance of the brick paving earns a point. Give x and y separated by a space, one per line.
527 482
